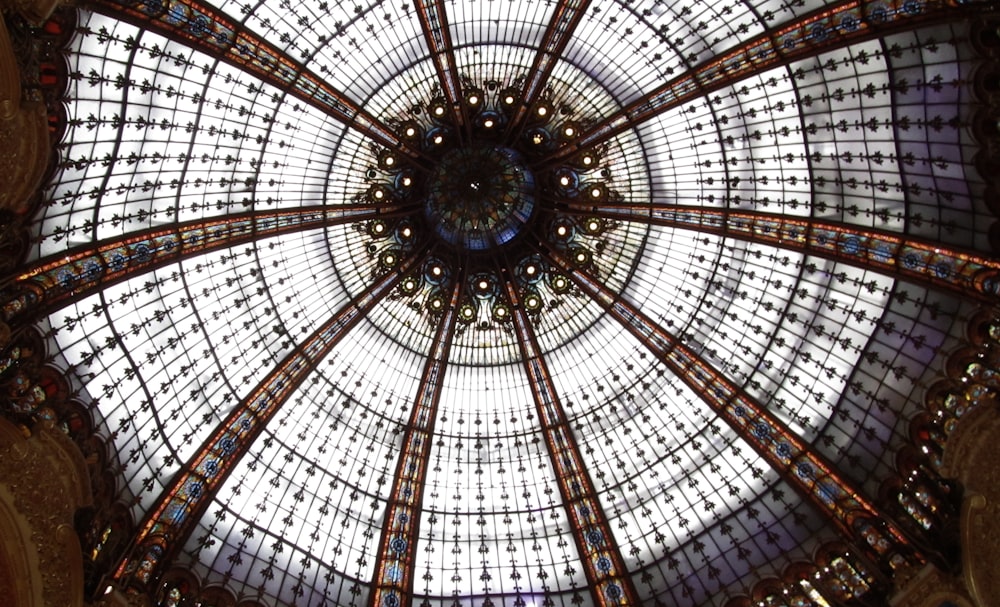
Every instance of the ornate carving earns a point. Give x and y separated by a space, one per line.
966 439
930 588
42 474
971 456
24 154
24 130
35 11
115 598
10 76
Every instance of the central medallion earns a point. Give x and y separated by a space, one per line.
480 198
471 194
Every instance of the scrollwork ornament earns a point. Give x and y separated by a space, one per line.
44 481
971 456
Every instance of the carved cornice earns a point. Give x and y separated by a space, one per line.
930 588
972 457
42 474
10 76
968 436
36 11
24 155
25 146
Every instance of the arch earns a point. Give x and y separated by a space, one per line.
104 538
983 326
217 596
958 360
985 36
765 588
178 588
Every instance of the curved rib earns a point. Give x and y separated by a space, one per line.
826 29
202 27
809 473
925 262
434 22
393 581
182 503
69 276
565 18
603 564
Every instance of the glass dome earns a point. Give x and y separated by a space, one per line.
509 303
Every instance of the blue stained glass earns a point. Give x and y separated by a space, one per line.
761 430
882 253
595 537
142 253
200 25
613 592
66 279
177 14
851 245
394 573
92 270
878 14
152 7
117 262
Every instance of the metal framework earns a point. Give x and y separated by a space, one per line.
809 473
818 32
61 279
200 26
565 18
434 23
182 503
966 273
603 564
393 580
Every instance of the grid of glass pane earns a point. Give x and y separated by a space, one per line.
870 136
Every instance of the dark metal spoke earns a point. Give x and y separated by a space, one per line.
565 18
57 281
609 580
178 509
393 580
808 472
206 29
964 272
821 31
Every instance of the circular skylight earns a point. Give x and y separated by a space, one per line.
485 303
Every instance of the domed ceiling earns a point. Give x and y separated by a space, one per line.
509 303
